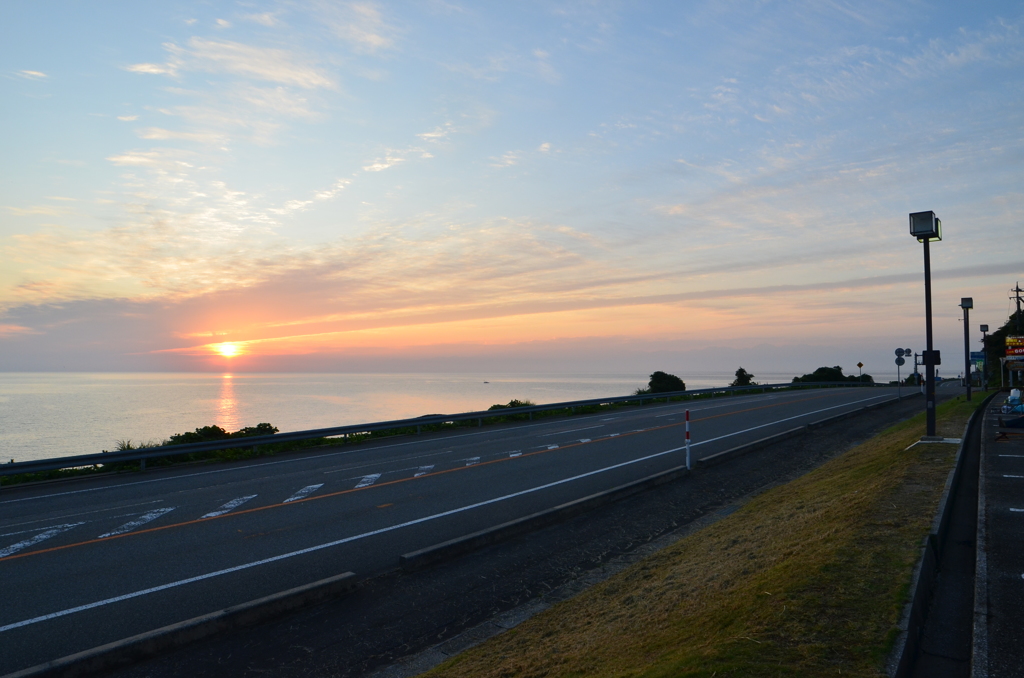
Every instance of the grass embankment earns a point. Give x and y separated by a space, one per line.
809 578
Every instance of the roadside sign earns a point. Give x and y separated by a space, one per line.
1014 346
900 353
901 361
978 356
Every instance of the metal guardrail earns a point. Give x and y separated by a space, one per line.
144 453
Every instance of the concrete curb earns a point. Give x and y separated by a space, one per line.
979 645
151 643
922 583
470 542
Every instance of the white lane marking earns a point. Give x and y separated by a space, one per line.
1017 510
552 447
367 480
516 453
230 506
318 547
1012 455
612 435
1007 475
423 470
739 401
138 522
48 527
610 419
32 541
584 440
670 414
558 433
338 542
84 513
472 461
304 492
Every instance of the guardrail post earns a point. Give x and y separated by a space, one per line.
531 416
142 464
417 429
687 440
479 422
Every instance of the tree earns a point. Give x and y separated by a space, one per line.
743 378
662 382
832 374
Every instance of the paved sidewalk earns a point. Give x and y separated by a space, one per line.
999 593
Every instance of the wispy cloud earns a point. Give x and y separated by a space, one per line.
221 56
32 75
360 24
507 160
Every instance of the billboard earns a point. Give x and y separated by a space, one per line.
1015 348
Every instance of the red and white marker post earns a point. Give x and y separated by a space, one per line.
687 440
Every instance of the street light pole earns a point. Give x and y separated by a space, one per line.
925 226
984 353
967 303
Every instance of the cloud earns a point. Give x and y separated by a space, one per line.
360 24
268 19
222 56
545 147
391 159
128 118
41 210
154 69
507 160
164 135
439 133
32 75
10 330
223 23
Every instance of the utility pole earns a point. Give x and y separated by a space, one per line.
1016 297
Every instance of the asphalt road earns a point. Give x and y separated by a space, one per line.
91 561
1001 562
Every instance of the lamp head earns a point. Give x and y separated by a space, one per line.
925 226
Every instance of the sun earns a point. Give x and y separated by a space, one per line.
227 349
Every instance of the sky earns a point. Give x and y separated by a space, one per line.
533 186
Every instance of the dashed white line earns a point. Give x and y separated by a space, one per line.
584 440
368 480
1017 456
1015 510
423 470
552 447
303 493
471 461
613 435
32 541
515 453
1007 475
573 430
138 522
230 506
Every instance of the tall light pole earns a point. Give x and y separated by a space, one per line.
967 303
984 353
925 226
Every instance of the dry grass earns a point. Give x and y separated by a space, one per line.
807 579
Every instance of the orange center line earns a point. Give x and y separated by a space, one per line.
384 484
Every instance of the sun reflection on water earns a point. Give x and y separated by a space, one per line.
227 405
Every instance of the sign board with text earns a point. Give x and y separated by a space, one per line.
1014 347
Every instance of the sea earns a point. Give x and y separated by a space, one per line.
45 415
